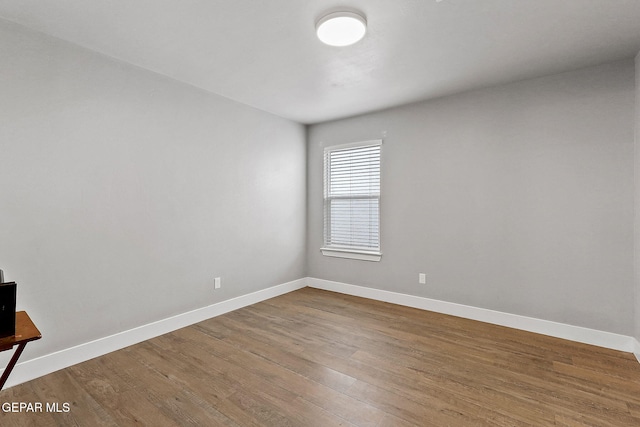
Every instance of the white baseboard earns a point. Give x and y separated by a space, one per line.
34 368
545 327
636 349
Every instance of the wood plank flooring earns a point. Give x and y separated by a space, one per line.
317 358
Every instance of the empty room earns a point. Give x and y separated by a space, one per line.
319 213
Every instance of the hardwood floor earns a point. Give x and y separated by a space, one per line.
316 358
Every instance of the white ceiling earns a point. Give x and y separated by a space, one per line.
265 53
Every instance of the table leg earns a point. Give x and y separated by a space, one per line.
12 363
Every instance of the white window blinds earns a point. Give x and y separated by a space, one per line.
352 197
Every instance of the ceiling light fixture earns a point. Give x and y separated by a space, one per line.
341 28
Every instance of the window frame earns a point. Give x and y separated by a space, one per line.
342 251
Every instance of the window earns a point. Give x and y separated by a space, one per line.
352 201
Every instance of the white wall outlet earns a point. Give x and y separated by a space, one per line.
422 278
216 283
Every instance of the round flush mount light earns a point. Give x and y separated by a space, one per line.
341 28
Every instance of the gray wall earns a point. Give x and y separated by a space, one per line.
517 198
124 193
637 201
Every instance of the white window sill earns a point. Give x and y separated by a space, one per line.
362 255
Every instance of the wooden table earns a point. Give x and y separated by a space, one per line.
25 331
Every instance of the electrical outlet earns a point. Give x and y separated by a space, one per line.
216 283
422 278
